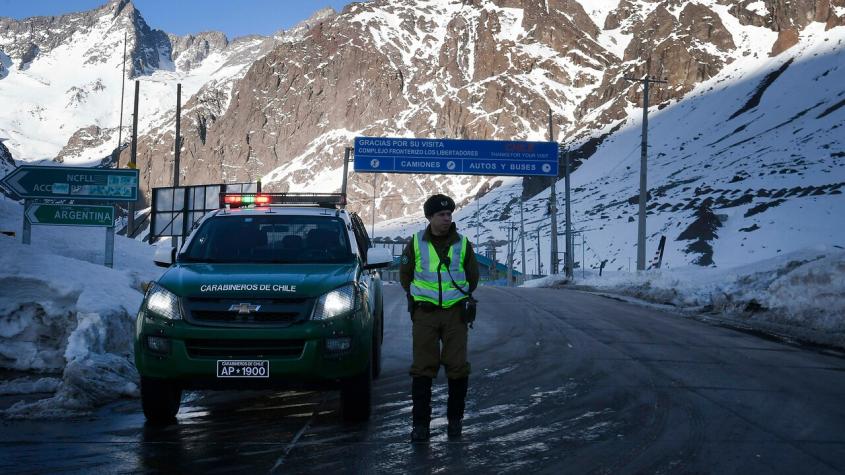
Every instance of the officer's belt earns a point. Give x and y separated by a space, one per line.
427 306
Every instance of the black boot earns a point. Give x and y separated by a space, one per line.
421 397
455 406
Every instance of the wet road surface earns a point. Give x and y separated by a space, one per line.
562 382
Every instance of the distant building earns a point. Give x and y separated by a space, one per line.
493 270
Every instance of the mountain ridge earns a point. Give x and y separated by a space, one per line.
480 69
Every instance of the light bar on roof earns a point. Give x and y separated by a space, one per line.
236 200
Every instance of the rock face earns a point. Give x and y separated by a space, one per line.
191 50
7 163
82 139
480 69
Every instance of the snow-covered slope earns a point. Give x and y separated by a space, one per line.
758 149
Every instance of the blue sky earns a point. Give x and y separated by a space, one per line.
233 17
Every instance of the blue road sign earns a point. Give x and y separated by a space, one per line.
455 157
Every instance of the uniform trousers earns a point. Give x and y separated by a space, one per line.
439 338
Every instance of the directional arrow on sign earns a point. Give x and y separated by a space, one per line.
12 181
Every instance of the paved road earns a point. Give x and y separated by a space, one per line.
563 382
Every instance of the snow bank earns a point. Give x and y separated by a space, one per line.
63 313
803 290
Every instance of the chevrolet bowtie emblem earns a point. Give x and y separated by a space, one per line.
244 308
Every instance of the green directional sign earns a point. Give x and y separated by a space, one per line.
77 183
70 215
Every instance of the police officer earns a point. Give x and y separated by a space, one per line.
438 269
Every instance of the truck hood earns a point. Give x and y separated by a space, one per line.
256 280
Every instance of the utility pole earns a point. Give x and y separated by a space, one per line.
510 254
539 262
110 229
553 208
122 92
373 228
583 263
177 148
130 222
641 229
522 235
569 247
477 219
347 153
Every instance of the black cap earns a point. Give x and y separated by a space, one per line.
437 203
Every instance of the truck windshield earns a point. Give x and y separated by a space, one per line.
270 239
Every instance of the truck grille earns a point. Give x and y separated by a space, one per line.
264 312
244 348
212 316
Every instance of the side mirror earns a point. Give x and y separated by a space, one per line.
164 256
378 257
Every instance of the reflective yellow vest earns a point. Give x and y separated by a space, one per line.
431 280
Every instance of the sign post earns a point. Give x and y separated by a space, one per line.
26 236
109 260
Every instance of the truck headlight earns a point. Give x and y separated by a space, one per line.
335 303
163 303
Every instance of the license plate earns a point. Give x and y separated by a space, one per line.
243 369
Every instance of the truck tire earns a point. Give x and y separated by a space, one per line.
356 396
378 336
160 400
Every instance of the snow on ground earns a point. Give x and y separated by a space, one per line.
802 293
66 321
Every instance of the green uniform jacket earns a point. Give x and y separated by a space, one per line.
441 245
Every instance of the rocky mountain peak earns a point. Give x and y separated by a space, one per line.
26 40
190 50
7 163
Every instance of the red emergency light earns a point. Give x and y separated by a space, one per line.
245 200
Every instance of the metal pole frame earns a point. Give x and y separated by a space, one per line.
177 147
522 235
570 258
347 153
553 208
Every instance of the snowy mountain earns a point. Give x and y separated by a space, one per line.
741 167
61 77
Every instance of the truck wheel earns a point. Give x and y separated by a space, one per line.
160 400
377 341
356 396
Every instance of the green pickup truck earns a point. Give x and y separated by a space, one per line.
265 295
